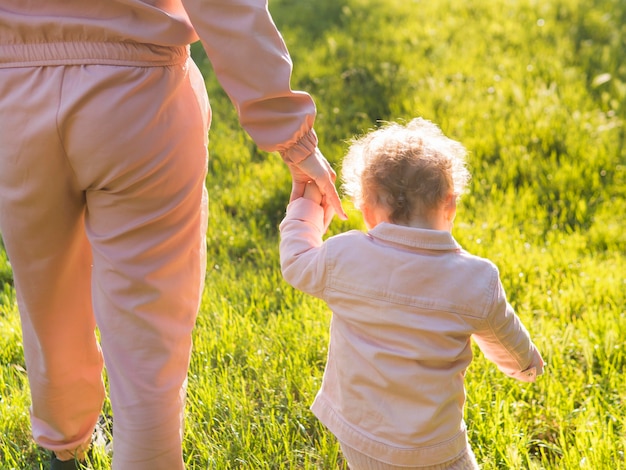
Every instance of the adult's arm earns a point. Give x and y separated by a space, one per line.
253 66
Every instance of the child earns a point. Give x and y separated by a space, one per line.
104 121
406 298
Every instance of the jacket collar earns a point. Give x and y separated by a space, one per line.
414 237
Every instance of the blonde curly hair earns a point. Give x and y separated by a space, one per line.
410 169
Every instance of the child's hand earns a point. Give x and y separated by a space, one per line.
312 193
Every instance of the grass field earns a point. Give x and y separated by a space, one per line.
537 93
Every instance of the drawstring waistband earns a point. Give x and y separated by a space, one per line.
85 53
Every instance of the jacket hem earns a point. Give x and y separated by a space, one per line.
396 455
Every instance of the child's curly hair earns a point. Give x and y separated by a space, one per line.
411 169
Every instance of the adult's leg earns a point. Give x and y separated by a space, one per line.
138 139
42 223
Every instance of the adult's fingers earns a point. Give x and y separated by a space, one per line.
316 168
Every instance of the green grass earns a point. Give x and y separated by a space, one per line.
537 93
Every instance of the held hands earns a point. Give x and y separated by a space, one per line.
313 193
316 170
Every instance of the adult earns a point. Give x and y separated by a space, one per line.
103 207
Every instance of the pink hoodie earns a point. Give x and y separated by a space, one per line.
239 36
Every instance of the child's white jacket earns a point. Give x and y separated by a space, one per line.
405 304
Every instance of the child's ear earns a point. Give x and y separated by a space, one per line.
451 201
367 216
450 206
373 215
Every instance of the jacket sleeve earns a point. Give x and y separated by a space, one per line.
253 66
505 341
302 252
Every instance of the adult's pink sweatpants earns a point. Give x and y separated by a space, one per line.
103 213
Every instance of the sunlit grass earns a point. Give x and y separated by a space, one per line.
537 92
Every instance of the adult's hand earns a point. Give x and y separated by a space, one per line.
317 169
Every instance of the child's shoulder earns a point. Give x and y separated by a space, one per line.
351 235
478 262
348 238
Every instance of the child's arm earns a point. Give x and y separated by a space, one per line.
302 253
506 342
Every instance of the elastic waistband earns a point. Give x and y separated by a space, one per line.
86 53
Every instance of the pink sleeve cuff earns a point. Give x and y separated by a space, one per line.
535 369
295 152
